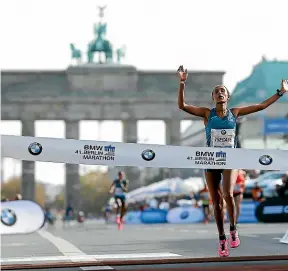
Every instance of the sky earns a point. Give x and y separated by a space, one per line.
230 36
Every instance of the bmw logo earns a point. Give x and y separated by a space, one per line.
8 217
265 160
35 148
223 132
148 155
184 214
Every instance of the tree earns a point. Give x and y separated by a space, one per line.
94 188
13 186
94 191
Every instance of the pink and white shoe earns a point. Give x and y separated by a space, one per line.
234 239
120 226
223 250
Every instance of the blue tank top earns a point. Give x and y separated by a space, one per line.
221 132
118 188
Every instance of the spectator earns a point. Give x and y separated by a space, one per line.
257 193
18 197
282 190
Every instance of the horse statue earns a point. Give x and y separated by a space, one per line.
121 52
76 53
100 45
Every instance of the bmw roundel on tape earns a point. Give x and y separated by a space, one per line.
90 152
148 155
265 160
8 217
35 148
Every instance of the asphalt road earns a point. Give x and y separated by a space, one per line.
92 242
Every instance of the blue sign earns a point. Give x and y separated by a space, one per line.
133 217
275 126
247 212
154 216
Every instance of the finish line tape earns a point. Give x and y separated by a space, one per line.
139 155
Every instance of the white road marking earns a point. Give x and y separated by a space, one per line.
14 245
94 257
249 235
65 247
182 230
277 238
202 231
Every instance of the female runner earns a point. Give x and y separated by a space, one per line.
238 191
216 120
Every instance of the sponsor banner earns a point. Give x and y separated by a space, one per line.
21 217
273 210
185 215
133 217
139 155
247 212
153 216
275 126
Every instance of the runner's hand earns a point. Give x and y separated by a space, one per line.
284 85
182 74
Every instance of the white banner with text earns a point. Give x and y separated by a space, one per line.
139 155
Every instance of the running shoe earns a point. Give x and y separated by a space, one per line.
234 239
223 250
120 226
118 221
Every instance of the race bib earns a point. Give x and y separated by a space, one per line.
118 191
223 138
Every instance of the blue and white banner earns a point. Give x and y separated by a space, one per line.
247 212
90 152
275 126
185 215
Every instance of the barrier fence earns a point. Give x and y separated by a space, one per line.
270 211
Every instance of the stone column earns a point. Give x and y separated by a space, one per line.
130 136
173 137
130 131
72 187
28 167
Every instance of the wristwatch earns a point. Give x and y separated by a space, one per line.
280 92
183 83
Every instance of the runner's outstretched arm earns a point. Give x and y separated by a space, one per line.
191 109
112 188
246 110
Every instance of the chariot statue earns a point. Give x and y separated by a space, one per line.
99 46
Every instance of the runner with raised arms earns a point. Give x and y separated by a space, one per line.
220 126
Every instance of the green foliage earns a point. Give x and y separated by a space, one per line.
94 191
13 186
